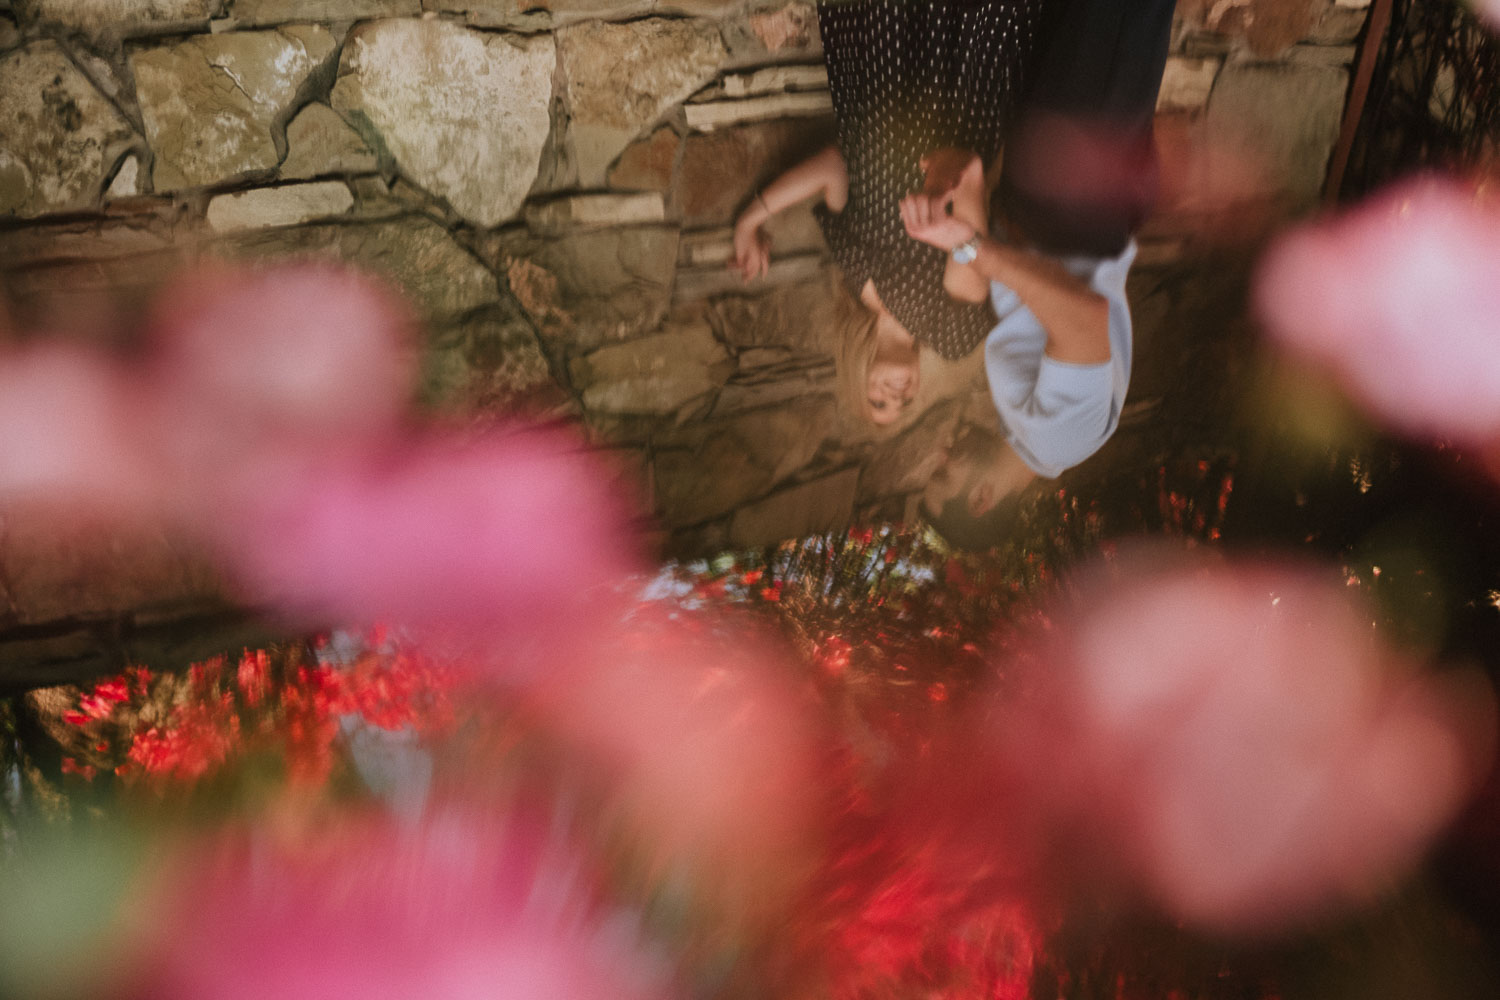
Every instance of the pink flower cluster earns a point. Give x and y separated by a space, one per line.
1400 298
269 418
1241 743
466 907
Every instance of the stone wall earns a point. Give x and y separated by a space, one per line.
552 184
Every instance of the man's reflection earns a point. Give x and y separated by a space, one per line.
975 495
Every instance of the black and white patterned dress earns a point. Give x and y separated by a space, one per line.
908 77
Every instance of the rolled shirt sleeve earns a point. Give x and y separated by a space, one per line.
1057 414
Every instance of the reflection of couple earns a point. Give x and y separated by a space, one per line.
1027 257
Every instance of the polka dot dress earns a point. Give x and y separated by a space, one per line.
908 77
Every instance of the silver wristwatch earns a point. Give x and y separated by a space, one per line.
966 251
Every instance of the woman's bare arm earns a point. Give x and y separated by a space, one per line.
822 175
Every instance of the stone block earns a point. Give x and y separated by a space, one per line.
320 142
1322 55
647 164
439 277
775 80
59 137
124 17
1186 84
721 171
706 247
127 180
259 12
209 102
286 205
1283 118
1267 27
788 31
718 114
621 78
586 288
711 468
1339 24
656 374
584 211
810 508
465 113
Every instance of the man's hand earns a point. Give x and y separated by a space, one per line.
752 250
926 219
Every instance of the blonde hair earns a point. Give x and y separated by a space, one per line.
854 330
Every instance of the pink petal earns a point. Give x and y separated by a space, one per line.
1400 297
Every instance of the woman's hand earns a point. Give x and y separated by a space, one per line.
752 249
927 219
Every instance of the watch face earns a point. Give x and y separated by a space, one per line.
966 251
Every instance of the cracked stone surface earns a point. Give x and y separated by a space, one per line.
464 112
320 142
59 137
209 102
622 77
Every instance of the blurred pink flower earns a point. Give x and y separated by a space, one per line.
460 908
69 430
304 350
713 748
1400 297
505 536
1489 10
1243 743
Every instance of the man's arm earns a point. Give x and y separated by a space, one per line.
1075 316
823 175
960 172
